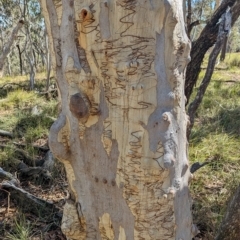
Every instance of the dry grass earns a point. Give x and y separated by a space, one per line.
28 115
216 134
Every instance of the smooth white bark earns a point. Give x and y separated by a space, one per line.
120 66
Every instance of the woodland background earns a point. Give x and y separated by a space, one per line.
29 105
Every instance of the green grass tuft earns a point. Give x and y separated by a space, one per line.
19 99
21 230
216 135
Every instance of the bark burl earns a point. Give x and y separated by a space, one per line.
120 67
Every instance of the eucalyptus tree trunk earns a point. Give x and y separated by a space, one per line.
120 68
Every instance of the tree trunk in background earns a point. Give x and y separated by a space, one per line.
120 67
206 40
31 58
9 66
7 47
223 32
230 226
20 59
48 61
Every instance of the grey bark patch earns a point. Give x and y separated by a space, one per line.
78 106
104 22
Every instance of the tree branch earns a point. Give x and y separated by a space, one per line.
6 134
206 40
224 29
8 176
30 203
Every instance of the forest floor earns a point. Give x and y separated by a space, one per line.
28 116
216 138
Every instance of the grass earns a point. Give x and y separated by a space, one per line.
19 99
17 115
216 135
233 60
26 113
21 230
21 79
29 116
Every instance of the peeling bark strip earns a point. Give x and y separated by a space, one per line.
121 132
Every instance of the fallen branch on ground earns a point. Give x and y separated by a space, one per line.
8 176
4 133
23 168
31 172
24 156
3 86
29 203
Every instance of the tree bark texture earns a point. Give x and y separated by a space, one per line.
206 40
120 67
223 32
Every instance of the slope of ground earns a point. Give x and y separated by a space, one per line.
27 117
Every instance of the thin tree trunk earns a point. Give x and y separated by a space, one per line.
7 47
189 17
20 59
30 55
224 49
224 29
9 66
32 72
206 40
30 58
120 68
48 62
